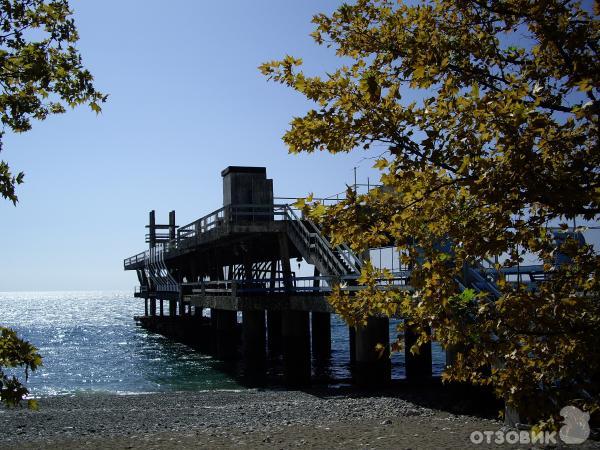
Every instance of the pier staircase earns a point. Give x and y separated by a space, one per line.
338 261
483 276
479 279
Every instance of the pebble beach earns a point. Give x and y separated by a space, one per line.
319 418
273 419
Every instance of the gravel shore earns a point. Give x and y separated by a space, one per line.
316 418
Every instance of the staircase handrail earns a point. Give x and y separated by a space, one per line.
323 249
341 249
488 284
328 247
352 258
291 216
328 251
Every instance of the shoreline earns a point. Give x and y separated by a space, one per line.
311 418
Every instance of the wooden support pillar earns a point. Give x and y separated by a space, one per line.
254 343
373 367
145 306
172 308
224 325
418 367
161 308
153 307
296 348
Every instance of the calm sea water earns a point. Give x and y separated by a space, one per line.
90 342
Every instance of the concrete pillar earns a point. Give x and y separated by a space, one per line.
321 335
224 325
254 343
296 348
172 226
320 329
418 367
284 252
153 307
152 229
274 338
248 274
273 276
373 368
452 352
273 318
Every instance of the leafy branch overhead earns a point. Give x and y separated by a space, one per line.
488 114
41 70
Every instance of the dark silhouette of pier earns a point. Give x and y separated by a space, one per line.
238 258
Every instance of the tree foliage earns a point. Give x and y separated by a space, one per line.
41 71
15 353
486 115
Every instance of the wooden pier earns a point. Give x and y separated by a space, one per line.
238 259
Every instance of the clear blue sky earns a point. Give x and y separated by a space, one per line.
186 100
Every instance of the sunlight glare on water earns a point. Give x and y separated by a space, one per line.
90 343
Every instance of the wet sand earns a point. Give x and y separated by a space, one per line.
318 418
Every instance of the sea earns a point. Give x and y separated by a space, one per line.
90 343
